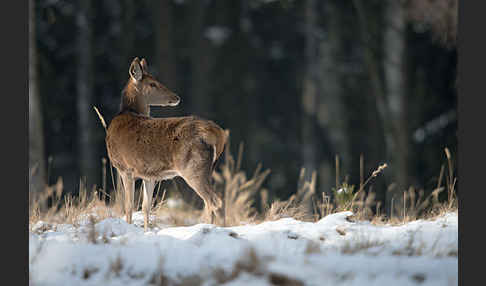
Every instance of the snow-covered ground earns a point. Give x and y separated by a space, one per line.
332 251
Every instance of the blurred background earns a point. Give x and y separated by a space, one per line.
298 82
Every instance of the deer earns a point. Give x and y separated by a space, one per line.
154 149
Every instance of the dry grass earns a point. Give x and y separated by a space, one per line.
248 263
299 205
417 206
411 249
239 191
73 208
181 215
242 193
346 199
312 247
251 263
359 245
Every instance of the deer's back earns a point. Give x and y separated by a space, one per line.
151 146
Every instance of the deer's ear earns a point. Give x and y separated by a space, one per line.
143 64
135 70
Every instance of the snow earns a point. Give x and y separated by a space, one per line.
331 251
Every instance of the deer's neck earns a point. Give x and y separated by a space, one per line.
133 101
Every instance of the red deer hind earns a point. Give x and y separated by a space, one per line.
155 149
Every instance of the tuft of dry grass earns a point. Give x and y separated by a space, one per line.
345 199
92 233
116 266
416 205
73 208
239 191
287 208
249 262
159 277
299 205
410 249
312 247
182 215
359 245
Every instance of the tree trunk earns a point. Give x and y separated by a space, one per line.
88 163
310 101
37 176
164 53
201 61
389 93
331 115
127 38
309 93
395 76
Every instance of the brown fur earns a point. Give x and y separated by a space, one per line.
155 149
149 146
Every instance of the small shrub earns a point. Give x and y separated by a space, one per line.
344 196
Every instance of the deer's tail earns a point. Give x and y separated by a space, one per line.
218 139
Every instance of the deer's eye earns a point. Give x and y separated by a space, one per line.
152 84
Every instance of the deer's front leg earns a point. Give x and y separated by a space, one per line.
129 186
148 191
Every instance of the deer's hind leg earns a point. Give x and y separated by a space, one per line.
212 202
148 191
199 179
196 171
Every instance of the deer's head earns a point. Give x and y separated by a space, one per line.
145 89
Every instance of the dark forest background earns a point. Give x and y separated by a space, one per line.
298 82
